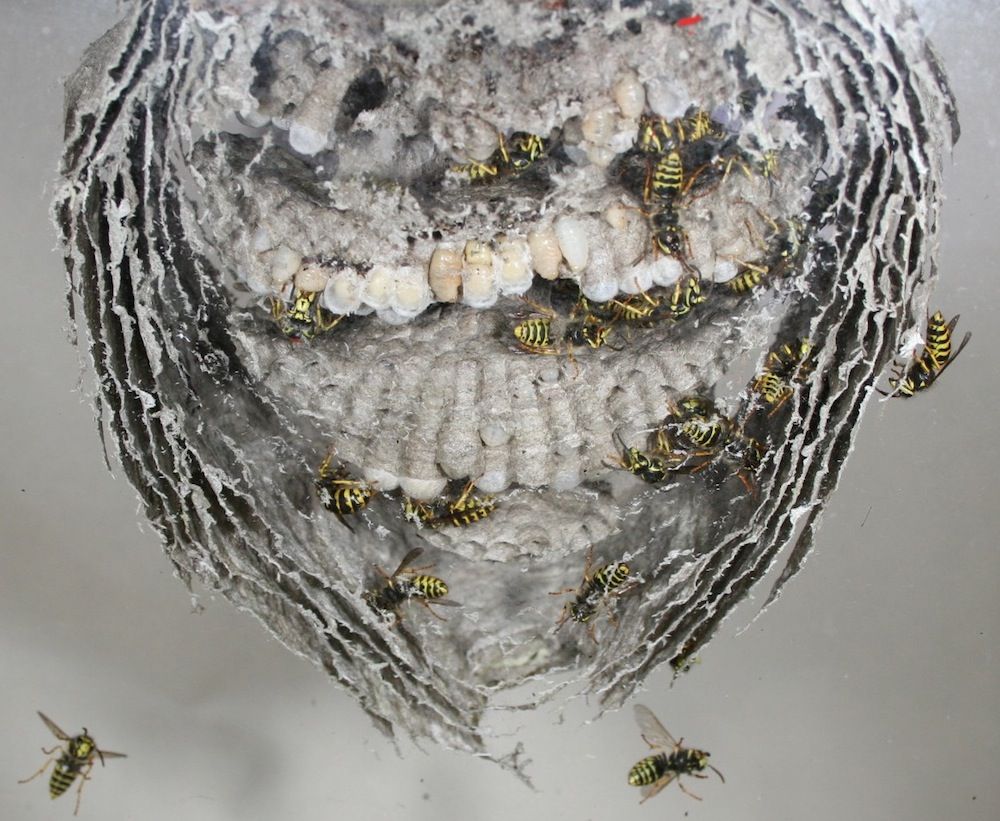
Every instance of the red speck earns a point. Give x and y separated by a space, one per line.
690 21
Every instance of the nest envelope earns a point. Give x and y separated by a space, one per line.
284 251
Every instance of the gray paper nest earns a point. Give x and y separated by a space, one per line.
214 150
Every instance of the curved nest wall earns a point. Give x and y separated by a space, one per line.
345 271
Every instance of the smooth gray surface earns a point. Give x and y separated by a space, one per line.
869 690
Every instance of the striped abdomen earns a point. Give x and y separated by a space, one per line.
702 434
745 281
344 496
938 346
465 513
771 387
666 179
63 775
430 587
534 333
611 576
649 770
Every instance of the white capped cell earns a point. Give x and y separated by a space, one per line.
479 278
515 274
413 293
391 317
545 253
667 97
664 270
380 287
342 294
382 479
285 264
444 273
311 277
493 434
571 233
635 280
424 490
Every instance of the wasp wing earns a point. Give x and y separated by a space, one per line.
408 559
109 754
650 790
56 731
656 734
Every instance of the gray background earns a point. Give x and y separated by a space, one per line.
871 690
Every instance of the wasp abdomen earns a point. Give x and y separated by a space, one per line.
649 770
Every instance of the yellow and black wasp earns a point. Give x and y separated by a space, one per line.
669 238
539 334
407 582
655 135
673 760
687 294
784 367
512 156
76 759
593 592
650 468
665 179
932 360
339 492
303 318
465 510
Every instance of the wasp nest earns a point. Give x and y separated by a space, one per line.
518 284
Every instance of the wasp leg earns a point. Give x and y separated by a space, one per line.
786 394
686 790
431 610
84 778
42 769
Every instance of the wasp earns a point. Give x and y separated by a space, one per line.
75 759
665 178
930 364
594 590
304 319
340 492
419 513
639 308
465 510
407 582
686 295
509 157
651 469
524 149
537 334
788 364
656 771
655 134
701 125
669 238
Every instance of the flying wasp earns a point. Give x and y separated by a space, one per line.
930 364
594 591
656 771
341 493
75 759
303 318
407 582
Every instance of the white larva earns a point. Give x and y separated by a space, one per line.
573 244
479 279
545 253
515 273
630 95
598 125
444 273
342 294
